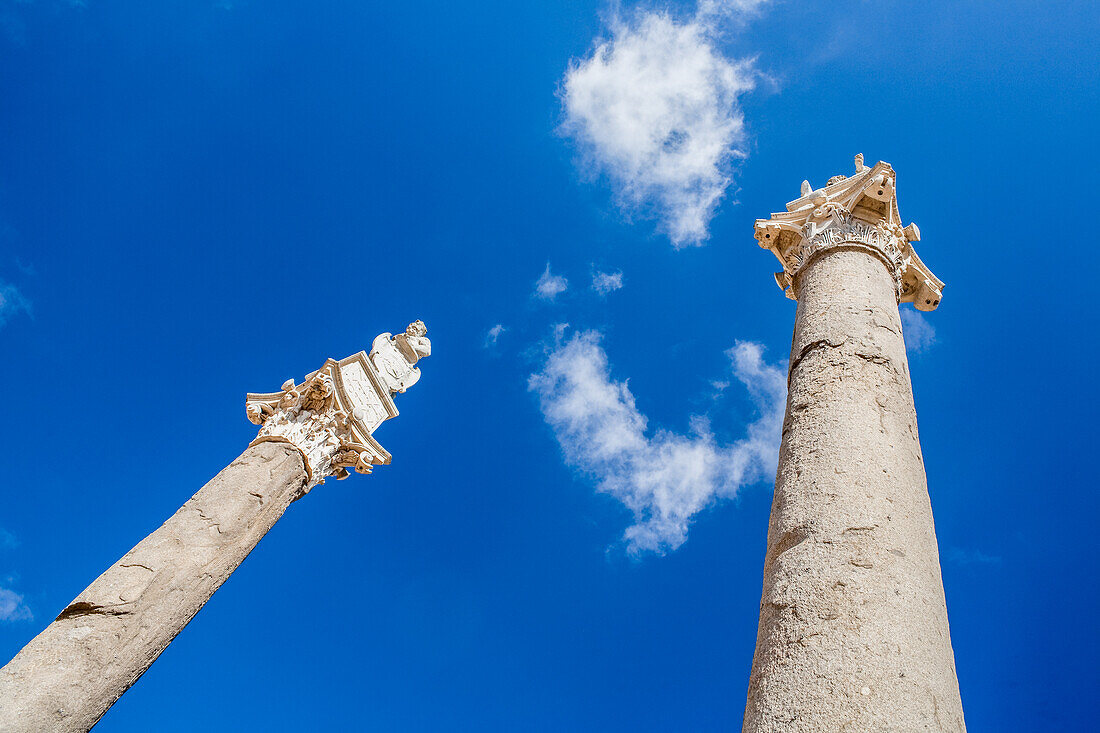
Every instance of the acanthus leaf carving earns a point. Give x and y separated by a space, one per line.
331 416
857 211
843 229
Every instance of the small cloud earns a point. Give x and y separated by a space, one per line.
12 607
550 286
12 302
606 282
919 334
26 269
719 385
494 334
8 541
961 556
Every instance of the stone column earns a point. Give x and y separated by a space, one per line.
68 676
853 631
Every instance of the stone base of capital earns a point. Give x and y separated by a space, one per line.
891 260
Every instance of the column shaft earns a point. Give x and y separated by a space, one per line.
68 676
853 629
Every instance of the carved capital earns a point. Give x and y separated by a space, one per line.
859 211
843 231
331 416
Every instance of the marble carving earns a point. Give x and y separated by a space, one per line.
853 211
331 416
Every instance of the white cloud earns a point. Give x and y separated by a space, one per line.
11 302
493 334
656 109
663 478
12 607
919 334
606 282
550 286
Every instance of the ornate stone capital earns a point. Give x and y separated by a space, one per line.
331 416
860 211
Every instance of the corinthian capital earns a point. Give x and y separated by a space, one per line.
859 211
332 414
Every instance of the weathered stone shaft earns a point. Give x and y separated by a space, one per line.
853 629
68 676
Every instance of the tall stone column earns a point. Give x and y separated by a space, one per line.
68 676
853 631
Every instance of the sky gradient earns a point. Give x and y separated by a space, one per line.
198 200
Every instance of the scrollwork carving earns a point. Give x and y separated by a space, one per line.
861 211
331 422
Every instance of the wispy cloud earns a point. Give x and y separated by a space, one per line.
662 477
606 282
493 335
919 334
655 108
12 25
719 10
971 556
12 302
12 607
549 285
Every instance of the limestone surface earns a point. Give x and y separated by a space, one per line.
853 631
68 676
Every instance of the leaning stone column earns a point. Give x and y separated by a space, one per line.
853 631
68 676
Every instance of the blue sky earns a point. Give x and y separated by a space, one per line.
203 199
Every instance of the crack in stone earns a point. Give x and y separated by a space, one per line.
134 565
807 349
860 529
86 608
873 358
213 524
790 539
